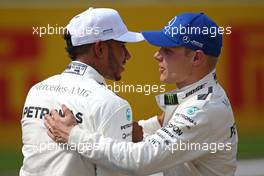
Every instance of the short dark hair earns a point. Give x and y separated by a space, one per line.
74 51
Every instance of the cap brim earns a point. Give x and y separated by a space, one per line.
158 38
130 37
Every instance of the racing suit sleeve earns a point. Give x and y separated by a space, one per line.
114 119
159 151
150 126
118 125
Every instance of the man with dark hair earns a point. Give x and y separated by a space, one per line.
198 137
95 42
74 51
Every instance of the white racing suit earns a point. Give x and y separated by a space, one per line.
198 136
96 108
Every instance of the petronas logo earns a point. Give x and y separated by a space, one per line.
171 99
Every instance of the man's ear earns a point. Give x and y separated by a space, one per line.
199 58
100 49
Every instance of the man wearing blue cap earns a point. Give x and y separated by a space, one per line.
198 135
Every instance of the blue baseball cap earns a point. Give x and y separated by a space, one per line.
192 30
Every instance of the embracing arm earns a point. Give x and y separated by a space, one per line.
158 152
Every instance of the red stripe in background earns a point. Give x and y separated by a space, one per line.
260 88
242 53
21 45
18 46
3 100
235 80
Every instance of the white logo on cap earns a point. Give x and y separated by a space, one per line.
186 39
196 43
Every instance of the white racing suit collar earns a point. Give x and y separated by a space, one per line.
177 96
82 69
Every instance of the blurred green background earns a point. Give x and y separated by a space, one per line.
26 58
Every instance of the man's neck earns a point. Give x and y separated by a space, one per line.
193 79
